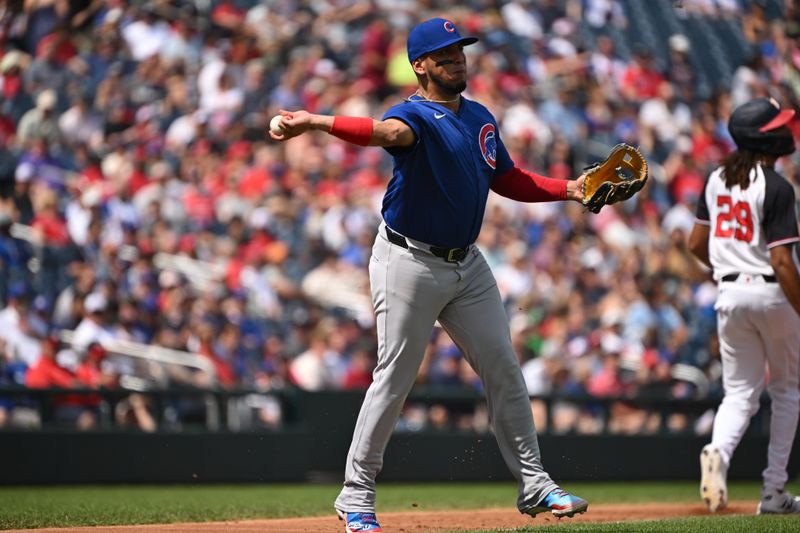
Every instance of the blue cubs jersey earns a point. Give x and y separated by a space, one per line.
440 184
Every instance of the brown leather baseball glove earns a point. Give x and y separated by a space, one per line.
621 175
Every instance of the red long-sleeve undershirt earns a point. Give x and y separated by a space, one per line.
525 186
517 184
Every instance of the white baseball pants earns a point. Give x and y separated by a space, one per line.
758 329
411 289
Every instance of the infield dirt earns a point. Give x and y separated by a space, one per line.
429 521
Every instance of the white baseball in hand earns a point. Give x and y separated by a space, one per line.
275 125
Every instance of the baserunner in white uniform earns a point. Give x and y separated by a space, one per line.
424 267
746 230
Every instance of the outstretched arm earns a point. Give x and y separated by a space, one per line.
357 130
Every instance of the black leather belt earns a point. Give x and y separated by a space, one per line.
451 255
735 277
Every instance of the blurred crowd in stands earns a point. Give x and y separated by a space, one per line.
141 203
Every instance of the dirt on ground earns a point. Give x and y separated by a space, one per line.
430 521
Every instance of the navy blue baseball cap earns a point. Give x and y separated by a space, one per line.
758 126
432 35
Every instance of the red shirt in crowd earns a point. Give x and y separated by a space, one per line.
52 227
640 83
199 206
90 376
374 53
357 379
606 382
225 373
255 183
65 49
46 373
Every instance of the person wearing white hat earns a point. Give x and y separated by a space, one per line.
41 121
93 326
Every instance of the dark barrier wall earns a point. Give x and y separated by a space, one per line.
433 457
316 448
48 457
71 457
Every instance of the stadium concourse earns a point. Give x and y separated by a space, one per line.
141 201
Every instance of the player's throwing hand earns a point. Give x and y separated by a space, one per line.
292 124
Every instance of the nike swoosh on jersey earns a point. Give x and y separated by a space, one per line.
439 115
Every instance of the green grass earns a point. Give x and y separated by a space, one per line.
705 524
34 507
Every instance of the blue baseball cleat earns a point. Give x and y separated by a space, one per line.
560 503
360 522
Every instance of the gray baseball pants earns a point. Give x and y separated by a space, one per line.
411 289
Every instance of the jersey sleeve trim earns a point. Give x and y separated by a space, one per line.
781 242
702 222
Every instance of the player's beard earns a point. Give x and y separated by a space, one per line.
450 87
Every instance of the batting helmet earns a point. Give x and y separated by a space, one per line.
760 126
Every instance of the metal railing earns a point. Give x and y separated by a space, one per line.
130 383
203 275
150 352
235 409
222 410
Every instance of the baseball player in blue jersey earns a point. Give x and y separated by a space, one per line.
424 267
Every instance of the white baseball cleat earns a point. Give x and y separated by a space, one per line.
713 487
778 502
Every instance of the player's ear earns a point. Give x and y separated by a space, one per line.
419 66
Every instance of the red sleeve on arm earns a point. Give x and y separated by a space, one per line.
524 186
356 130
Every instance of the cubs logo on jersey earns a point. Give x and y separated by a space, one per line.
487 140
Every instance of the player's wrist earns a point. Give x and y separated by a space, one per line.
574 191
321 123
